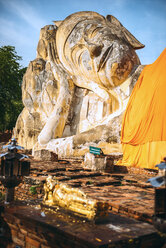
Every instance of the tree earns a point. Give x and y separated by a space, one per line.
11 75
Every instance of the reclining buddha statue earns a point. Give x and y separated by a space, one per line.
77 89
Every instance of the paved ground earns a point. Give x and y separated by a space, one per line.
127 193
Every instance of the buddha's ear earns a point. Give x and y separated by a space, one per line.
129 37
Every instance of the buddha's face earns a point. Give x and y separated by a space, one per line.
97 50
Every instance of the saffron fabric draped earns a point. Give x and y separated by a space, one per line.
143 134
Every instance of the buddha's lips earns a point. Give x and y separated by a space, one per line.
105 57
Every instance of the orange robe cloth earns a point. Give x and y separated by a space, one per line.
143 134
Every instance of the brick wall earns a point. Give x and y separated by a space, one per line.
23 226
23 232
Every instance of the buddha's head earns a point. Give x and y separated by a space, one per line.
97 48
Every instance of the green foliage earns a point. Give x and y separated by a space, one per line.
11 75
33 190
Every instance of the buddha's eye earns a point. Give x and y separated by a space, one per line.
95 50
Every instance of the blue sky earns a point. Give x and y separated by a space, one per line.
21 21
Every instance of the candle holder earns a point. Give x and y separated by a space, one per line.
12 168
159 183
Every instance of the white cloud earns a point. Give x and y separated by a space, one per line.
24 41
20 27
12 34
24 11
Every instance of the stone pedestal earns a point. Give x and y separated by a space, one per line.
45 155
111 161
101 162
94 162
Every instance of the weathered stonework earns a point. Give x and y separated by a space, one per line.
45 155
77 88
94 163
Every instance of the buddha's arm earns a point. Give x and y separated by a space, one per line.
56 122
